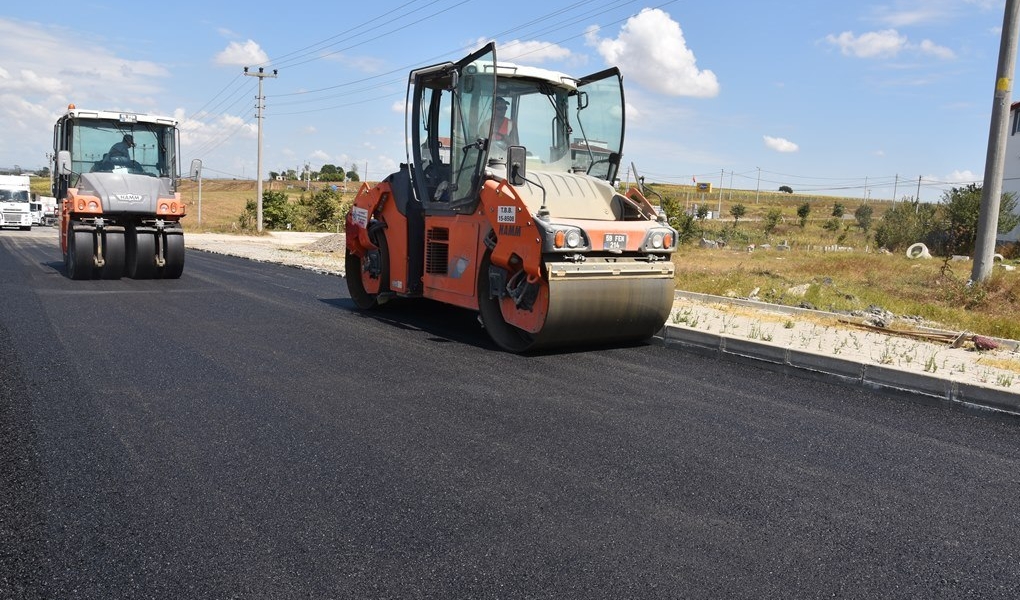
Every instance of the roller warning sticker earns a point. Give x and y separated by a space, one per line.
359 216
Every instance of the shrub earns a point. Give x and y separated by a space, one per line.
907 222
772 219
863 215
802 213
277 212
737 211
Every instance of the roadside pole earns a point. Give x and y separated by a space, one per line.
991 191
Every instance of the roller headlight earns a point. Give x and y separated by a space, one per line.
658 240
565 238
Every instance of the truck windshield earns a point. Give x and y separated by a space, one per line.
13 196
113 146
559 131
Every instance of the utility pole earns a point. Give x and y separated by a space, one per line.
918 197
722 173
895 185
757 186
196 174
261 74
991 191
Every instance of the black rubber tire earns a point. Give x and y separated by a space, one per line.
80 262
141 254
353 274
173 252
506 336
113 255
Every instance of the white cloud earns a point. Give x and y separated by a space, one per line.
887 43
874 44
906 18
38 81
237 54
780 144
652 51
201 133
965 176
532 52
364 64
930 47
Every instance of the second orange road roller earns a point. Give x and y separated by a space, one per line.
507 206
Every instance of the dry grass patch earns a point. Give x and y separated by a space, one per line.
934 290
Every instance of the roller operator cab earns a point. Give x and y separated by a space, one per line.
507 206
115 177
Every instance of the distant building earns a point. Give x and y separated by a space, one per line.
1011 174
582 152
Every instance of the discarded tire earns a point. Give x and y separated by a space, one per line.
918 250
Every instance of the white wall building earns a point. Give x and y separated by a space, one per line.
1011 173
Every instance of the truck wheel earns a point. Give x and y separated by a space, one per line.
173 252
113 255
505 335
80 255
141 254
355 277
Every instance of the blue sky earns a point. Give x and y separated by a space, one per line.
841 98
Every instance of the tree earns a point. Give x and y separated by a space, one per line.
330 172
863 215
960 210
802 213
702 212
273 174
686 227
325 208
772 219
907 222
838 209
737 211
786 189
276 211
1008 217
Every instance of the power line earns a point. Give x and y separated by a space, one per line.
213 109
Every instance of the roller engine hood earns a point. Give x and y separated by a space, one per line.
126 192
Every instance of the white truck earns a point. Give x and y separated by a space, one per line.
48 215
15 193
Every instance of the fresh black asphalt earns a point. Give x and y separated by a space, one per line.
243 432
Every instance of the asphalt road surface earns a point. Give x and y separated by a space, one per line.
243 432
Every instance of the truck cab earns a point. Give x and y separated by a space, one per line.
15 209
